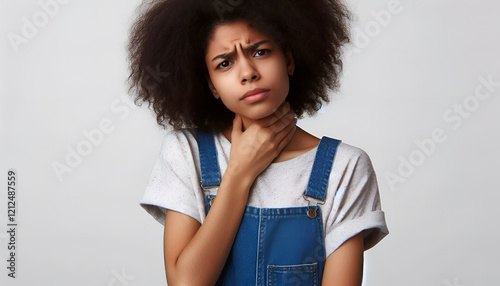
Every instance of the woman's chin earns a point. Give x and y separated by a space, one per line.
255 116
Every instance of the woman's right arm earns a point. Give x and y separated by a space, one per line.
195 254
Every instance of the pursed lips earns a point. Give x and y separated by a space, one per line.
253 92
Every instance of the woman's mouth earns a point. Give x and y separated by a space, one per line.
255 95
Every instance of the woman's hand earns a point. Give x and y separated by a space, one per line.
255 148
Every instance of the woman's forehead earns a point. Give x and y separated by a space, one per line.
226 36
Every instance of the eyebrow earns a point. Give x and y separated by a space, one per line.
248 48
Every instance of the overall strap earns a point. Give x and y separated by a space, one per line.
322 166
209 166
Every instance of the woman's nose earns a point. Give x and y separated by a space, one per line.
248 72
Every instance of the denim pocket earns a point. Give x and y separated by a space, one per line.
303 274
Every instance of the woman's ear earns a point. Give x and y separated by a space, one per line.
290 64
212 87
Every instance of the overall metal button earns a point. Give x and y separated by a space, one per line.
311 213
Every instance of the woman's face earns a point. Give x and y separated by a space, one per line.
248 71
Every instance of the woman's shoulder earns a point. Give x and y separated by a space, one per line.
351 151
352 157
178 142
174 135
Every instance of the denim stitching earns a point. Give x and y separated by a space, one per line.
322 166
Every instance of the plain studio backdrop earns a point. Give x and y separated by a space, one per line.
420 88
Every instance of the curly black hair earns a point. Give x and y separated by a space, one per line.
168 43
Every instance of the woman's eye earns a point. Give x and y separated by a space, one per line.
261 53
223 65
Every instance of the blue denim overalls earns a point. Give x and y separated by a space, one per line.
274 246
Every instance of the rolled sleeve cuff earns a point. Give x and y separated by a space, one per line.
159 212
372 224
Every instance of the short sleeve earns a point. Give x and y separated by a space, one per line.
356 204
174 182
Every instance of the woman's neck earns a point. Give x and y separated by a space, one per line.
300 143
246 122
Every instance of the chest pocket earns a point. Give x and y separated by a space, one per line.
300 275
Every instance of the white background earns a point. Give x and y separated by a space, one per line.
405 77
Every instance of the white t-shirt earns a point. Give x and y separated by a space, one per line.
352 202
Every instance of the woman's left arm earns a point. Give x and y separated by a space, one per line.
344 267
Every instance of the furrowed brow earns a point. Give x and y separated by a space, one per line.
248 48
256 45
223 56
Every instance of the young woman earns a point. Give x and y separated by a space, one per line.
245 196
